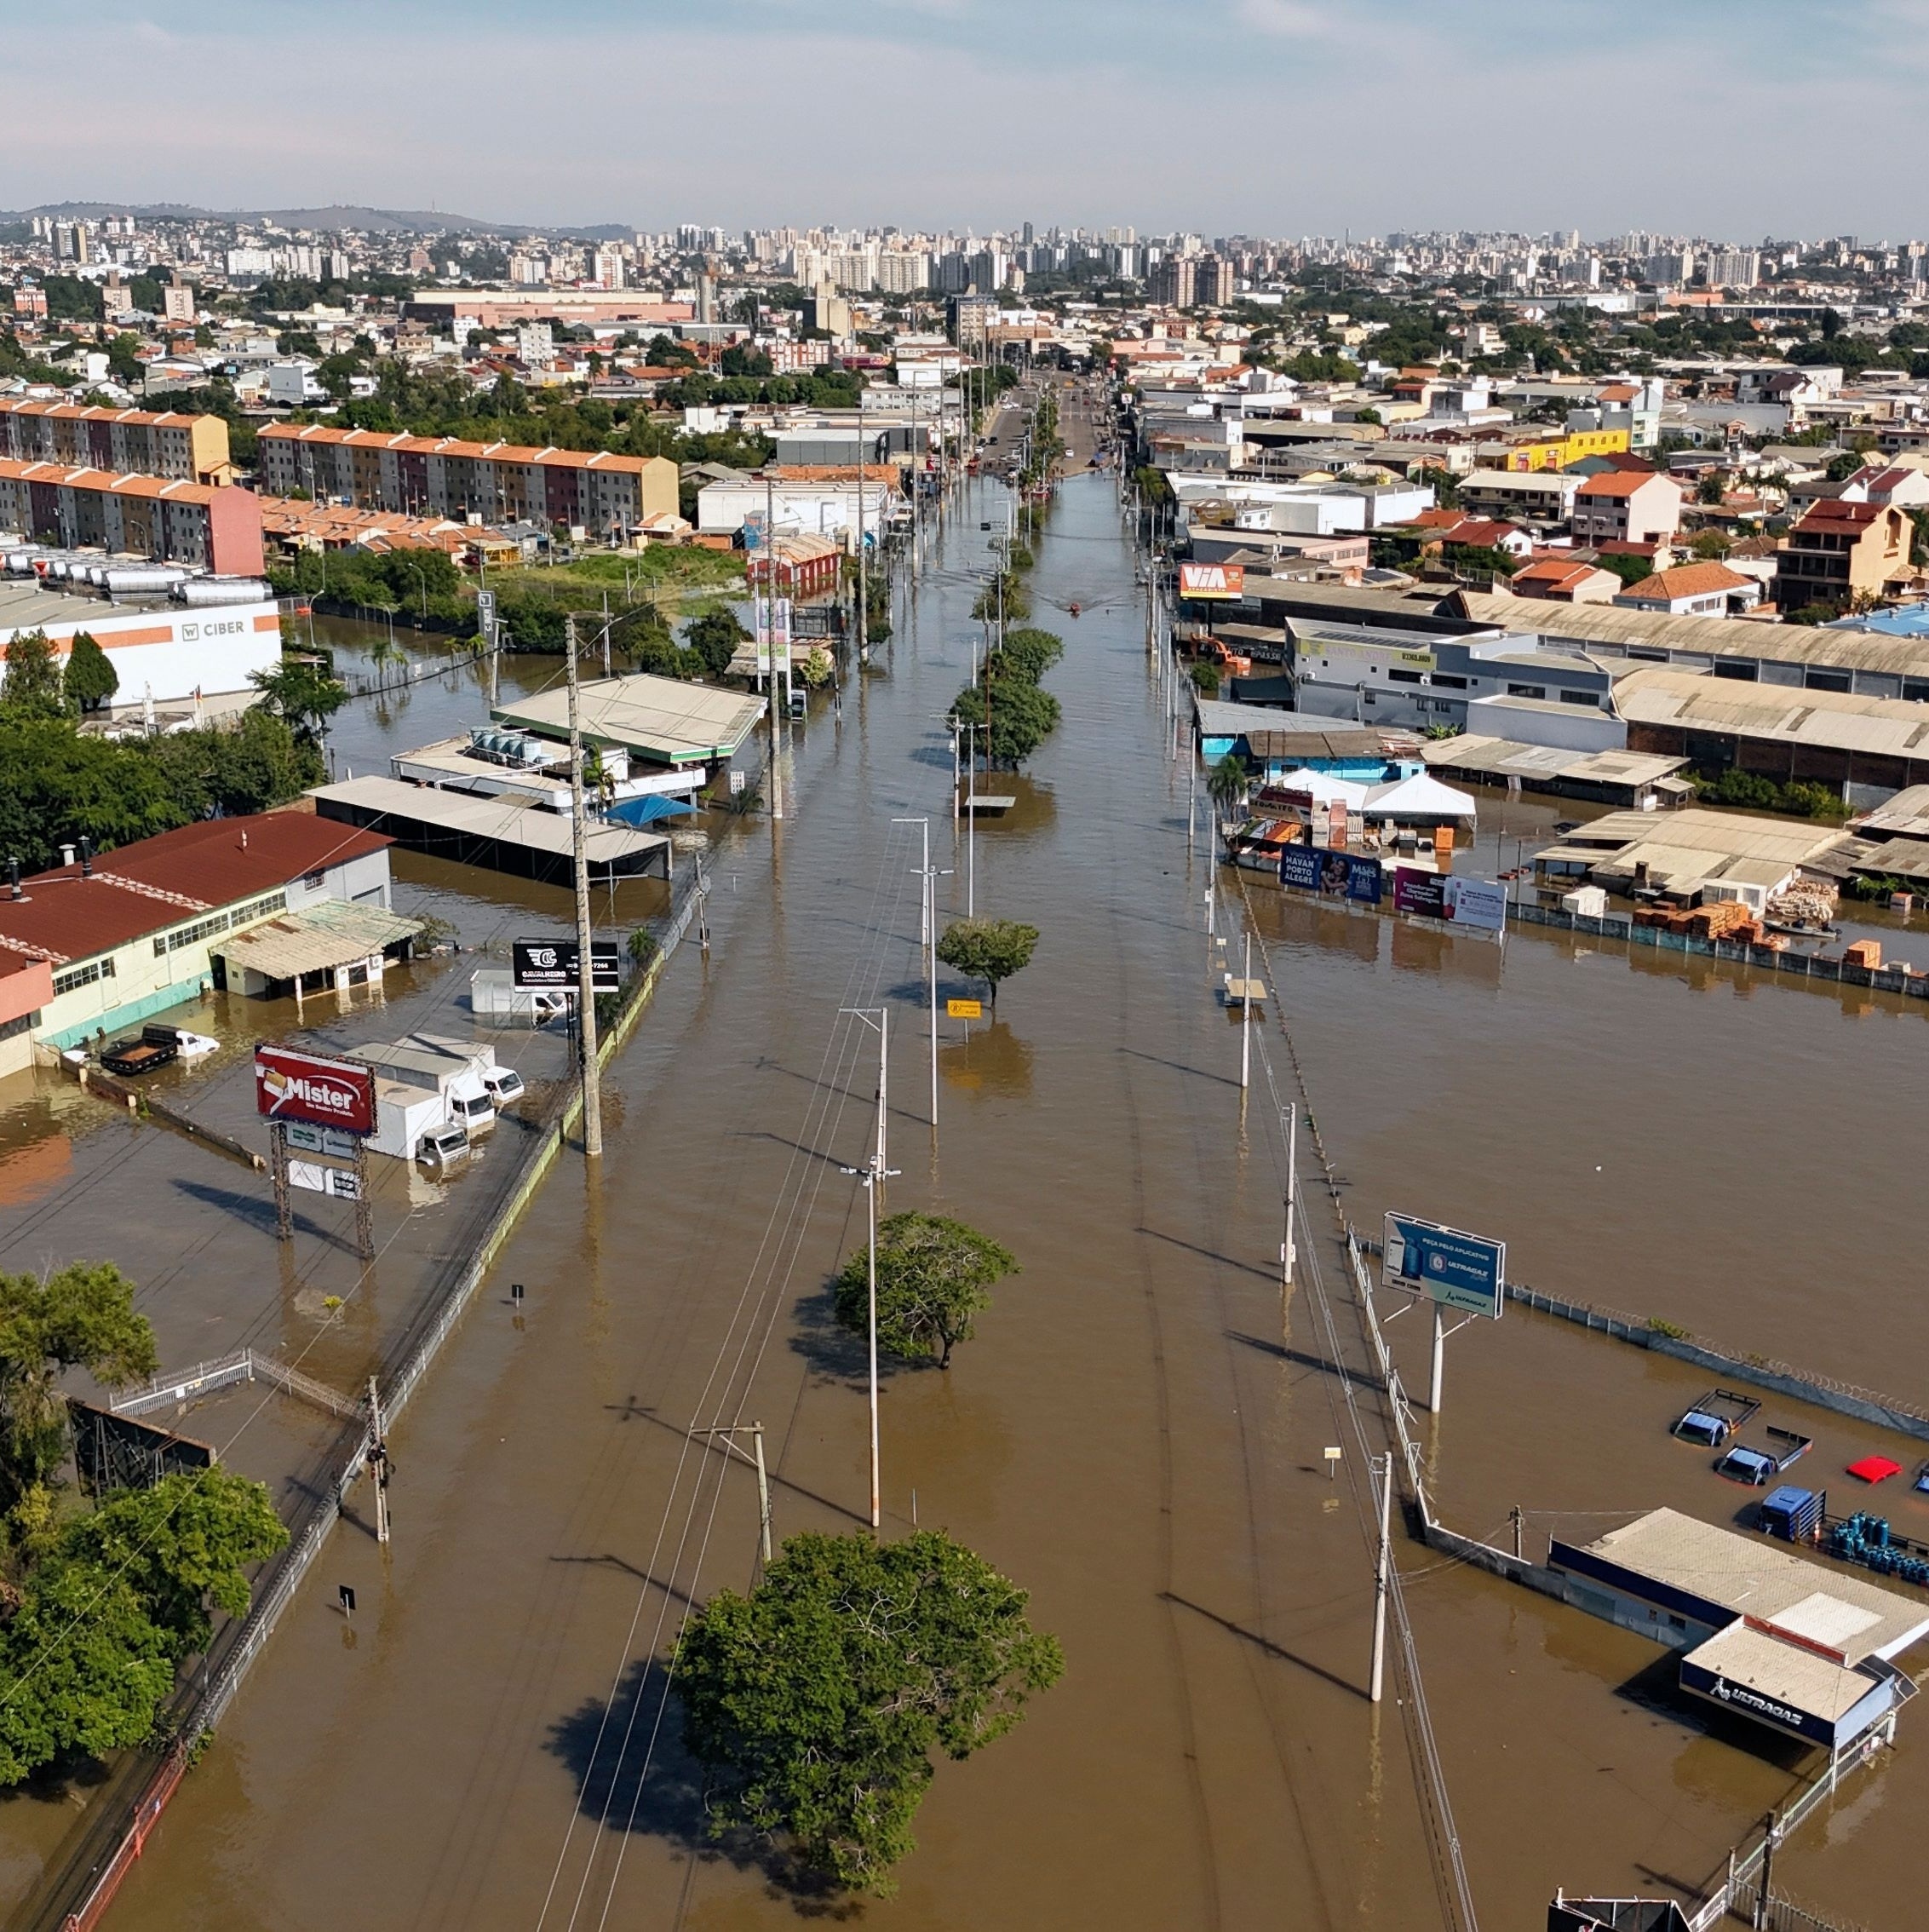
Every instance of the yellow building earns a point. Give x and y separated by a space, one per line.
1557 450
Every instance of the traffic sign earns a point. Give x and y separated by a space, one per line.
553 965
965 1009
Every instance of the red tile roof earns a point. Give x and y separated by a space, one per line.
162 882
1688 580
1619 482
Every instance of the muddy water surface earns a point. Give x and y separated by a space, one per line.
1134 1436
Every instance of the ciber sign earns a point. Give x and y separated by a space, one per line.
303 1086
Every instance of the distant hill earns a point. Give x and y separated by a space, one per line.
372 220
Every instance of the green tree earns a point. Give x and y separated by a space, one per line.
82 1316
1206 680
990 950
815 1703
1021 717
32 688
105 1619
1028 653
814 672
59 784
90 680
713 636
304 692
934 1278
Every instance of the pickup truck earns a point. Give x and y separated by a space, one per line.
1712 1419
1759 1467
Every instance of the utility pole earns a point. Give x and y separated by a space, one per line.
864 575
768 640
378 1463
928 875
1246 1019
585 970
1382 1582
727 1433
873 1176
1289 1249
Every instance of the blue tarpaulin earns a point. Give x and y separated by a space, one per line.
651 807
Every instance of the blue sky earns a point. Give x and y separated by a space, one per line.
1735 117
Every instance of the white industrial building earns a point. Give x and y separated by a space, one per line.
815 507
162 653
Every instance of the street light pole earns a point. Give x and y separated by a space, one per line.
928 875
585 970
873 1175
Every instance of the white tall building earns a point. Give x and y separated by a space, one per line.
1734 268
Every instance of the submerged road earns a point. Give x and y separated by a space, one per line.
1129 1436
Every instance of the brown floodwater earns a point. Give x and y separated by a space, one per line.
1134 1436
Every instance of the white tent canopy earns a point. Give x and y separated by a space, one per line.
1325 789
1422 799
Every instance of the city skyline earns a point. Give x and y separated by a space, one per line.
1278 117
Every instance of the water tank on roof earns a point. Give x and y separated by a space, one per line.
129 579
221 590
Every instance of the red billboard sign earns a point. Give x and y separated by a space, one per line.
1212 580
290 1085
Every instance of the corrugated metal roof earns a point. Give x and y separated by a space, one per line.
1714 637
325 934
1893 727
1503 757
663 717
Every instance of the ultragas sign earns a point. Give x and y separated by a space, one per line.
303 1086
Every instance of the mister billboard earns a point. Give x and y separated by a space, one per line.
304 1086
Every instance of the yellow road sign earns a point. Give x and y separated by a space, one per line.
965 1009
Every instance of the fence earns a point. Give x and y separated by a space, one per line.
1763 1372
1789 965
75 1896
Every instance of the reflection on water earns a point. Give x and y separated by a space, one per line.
992 1060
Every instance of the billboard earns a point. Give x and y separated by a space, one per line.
1335 875
553 965
113 1452
1457 1270
1210 580
1480 905
290 1085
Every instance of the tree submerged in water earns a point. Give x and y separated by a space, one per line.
934 1278
990 950
815 1703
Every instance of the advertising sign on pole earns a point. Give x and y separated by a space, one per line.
304 1086
1480 905
552 965
1455 1270
1337 875
332 1141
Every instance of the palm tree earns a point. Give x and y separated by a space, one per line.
1226 783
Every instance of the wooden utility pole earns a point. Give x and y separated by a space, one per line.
863 572
378 1463
585 969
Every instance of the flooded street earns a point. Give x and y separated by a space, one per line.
1135 1434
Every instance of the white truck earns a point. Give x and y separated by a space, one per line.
456 1070
495 999
405 1116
